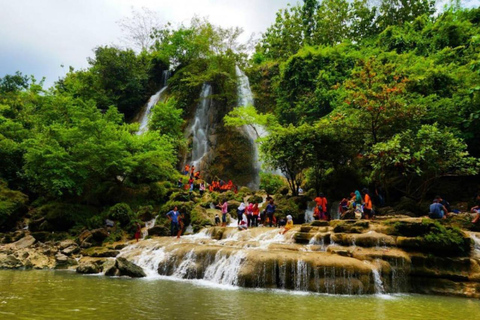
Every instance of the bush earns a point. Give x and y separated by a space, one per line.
122 213
64 216
446 241
270 182
12 205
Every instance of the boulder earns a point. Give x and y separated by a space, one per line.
98 252
99 235
88 268
85 236
25 242
110 268
158 231
66 243
9 261
127 268
71 249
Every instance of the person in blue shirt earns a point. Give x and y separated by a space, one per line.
174 217
270 211
437 210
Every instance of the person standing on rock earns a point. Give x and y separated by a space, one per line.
367 207
173 216
321 201
240 211
224 208
138 232
256 212
270 211
250 214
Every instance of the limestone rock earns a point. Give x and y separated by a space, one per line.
71 249
9 261
127 268
66 243
88 268
110 267
99 235
25 242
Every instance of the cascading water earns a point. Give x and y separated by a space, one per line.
199 129
245 98
148 225
309 212
145 114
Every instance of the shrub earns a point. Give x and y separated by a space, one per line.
121 212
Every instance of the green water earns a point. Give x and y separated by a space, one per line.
66 295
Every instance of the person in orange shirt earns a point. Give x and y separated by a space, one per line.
187 169
367 207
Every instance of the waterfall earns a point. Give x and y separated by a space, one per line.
145 113
200 126
245 98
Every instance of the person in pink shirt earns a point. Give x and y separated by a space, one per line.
224 208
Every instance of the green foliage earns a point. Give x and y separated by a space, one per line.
12 204
421 158
166 118
305 90
445 241
270 182
290 150
121 212
116 77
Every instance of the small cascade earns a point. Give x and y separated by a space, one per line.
200 127
148 225
301 276
309 212
187 268
377 280
476 241
145 114
225 268
148 258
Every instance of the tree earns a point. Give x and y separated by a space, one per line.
420 159
167 119
290 150
285 36
248 116
138 29
376 101
398 12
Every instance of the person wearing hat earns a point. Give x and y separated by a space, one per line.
288 225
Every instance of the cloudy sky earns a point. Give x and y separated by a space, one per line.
38 36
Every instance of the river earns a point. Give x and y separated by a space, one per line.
66 295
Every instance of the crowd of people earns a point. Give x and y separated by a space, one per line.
249 214
215 185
